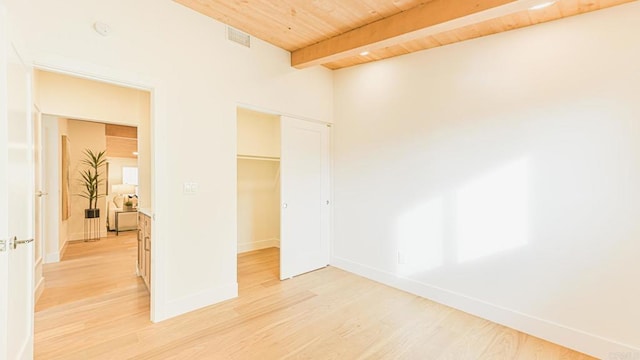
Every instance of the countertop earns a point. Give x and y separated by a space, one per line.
146 211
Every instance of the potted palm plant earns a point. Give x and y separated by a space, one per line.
90 179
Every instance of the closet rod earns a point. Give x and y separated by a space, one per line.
267 158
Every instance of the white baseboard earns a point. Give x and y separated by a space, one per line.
195 302
578 340
39 288
258 245
26 350
64 249
53 257
56 256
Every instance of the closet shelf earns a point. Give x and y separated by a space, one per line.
254 157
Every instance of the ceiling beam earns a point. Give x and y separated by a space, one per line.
405 26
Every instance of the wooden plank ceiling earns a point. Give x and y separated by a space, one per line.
336 33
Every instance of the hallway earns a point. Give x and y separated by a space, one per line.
91 270
92 292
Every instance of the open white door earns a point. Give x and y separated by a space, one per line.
304 220
16 204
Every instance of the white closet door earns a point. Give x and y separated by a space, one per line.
304 221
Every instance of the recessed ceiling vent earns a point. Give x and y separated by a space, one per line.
238 36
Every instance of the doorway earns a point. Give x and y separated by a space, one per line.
79 114
283 194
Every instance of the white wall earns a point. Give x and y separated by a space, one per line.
503 175
145 165
64 95
197 78
258 204
258 134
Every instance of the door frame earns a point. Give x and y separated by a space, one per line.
159 169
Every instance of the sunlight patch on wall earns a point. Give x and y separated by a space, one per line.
486 216
491 212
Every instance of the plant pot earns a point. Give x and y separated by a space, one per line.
91 213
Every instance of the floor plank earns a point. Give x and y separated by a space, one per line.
95 307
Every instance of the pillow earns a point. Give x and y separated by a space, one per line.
118 200
134 200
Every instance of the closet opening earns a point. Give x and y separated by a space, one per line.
258 184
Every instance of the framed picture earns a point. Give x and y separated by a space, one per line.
66 193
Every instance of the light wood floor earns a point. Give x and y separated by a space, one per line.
94 307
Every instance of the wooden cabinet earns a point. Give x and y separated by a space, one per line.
144 248
140 262
147 252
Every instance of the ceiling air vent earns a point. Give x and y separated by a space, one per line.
238 36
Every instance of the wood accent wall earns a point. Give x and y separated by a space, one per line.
121 131
122 141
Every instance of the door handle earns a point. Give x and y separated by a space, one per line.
285 205
15 242
41 194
